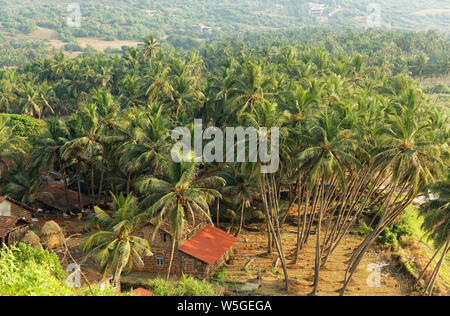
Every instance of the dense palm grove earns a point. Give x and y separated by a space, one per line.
358 139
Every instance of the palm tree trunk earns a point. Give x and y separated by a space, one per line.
80 198
66 186
241 219
432 282
267 215
92 176
171 258
128 183
100 189
318 248
218 213
427 266
362 249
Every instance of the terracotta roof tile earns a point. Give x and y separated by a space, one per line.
209 244
142 292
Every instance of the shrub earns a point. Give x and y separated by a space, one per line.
364 230
186 286
24 125
25 271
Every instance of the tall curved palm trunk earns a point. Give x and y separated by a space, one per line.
172 253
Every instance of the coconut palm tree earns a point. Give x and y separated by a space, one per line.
242 189
115 246
36 100
178 196
324 160
11 145
437 222
150 47
408 151
147 141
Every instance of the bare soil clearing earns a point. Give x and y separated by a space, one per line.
101 45
252 245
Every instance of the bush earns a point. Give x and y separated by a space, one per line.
186 286
364 230
24 125
25 271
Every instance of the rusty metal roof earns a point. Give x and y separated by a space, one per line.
208 245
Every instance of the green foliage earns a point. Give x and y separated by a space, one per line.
364 230
186 286
24 125
392 234
25 271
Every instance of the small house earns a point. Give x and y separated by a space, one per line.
203 28
56 198
10 225
202 250
12 208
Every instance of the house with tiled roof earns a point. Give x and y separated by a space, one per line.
202 249
10 224
10 207
57 198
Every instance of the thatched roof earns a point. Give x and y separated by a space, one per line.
32 239
51 228
57 197
52 235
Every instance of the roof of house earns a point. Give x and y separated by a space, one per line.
62 199
190 227
26 212
208 245
7 224
142 292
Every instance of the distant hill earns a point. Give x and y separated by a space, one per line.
27 25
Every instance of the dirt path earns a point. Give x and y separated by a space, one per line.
252 245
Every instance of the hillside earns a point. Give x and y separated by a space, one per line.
32 29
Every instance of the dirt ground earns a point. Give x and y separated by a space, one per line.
252 245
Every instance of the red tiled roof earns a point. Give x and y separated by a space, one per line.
208 245
142 292
7 224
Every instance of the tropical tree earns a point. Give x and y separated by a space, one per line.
178 196
114 245
437 223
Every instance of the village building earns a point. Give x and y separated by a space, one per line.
15 218
202 249
11 226
12 208
203 28
56 198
